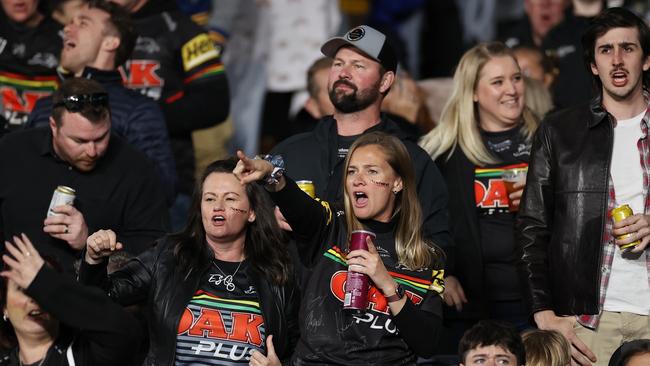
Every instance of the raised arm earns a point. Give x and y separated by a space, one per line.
112 336
309 219
128 286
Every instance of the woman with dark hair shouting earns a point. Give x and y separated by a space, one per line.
219 292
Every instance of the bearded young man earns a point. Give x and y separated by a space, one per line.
362 72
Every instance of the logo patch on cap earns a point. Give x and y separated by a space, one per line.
356 34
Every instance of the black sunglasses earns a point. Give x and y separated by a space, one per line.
75 103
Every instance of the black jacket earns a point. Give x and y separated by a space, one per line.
311 156
153 279
563 211
134 117
98 331
121 192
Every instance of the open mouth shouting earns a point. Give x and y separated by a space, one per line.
360 199
619 78
218 220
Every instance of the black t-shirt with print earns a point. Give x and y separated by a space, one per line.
330 335
496 223
344 143
223 323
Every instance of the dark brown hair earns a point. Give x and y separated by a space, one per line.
79 86
265 245
119 22
7 334
492 333
605 21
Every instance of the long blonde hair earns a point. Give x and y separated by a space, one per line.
412 251
459 120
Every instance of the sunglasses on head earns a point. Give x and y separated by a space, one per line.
75 103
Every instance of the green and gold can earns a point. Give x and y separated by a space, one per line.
620 213
308 187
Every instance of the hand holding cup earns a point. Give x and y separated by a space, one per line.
514 181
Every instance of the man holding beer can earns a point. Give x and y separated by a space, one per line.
68 179
589 171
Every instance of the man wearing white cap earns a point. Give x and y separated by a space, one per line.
361 75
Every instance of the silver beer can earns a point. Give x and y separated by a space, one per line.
62 196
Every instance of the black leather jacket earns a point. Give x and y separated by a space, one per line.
152 279
563 212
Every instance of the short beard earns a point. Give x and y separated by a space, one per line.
356 101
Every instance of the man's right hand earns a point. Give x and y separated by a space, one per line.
101 244
69 225
581 354
454 294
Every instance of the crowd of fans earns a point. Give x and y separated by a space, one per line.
219 156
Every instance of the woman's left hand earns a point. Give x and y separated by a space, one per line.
271 359
25 264
370 263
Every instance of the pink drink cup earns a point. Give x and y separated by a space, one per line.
357 284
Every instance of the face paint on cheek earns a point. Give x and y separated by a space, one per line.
381 184
239 210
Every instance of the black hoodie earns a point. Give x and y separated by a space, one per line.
314 156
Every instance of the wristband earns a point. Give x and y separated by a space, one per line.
278 169
399 293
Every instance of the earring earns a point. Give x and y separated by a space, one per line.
4 316
395 192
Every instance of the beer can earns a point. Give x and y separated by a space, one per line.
618 214
308 187
357 284
62 196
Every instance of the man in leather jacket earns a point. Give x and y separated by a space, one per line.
586 161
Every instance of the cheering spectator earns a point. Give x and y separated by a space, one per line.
228 266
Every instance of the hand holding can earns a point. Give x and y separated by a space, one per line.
357 284
620 213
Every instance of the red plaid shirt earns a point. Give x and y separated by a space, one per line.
643 145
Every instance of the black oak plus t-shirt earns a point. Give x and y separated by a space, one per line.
496 223
223 323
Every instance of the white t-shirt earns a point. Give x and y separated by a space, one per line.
628 288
